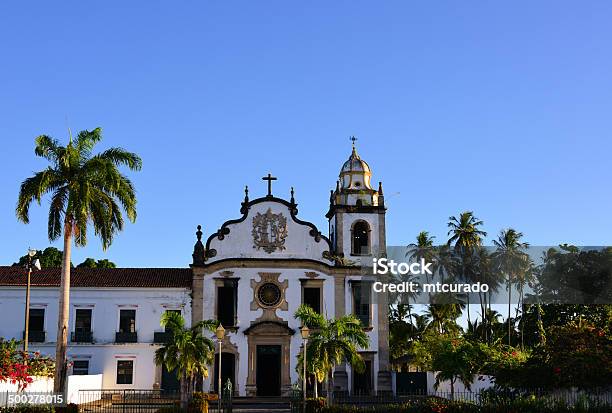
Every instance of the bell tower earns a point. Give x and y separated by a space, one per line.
357 213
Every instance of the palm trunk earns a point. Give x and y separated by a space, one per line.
331 385
509 308
452 386
482 316
522 318
59 379
184 391
316 387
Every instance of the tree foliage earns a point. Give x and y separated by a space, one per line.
50 257
188 351
19 367
84 189
332 342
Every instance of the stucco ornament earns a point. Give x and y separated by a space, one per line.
269 231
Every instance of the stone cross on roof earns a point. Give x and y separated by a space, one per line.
269 178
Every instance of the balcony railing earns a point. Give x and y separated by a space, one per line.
81 337
126 337
36 336
161 337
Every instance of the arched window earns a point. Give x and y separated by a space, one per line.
360 238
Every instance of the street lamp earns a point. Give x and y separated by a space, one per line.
305 334
220 333
29 265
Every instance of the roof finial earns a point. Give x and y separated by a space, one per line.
292 198
337 186
198 249
380 191
246 193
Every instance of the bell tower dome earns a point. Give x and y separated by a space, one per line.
357 213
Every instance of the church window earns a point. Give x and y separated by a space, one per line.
361 303
227 299
125 371
269 294
127 321
312 298
127 327
80 367
37 320
360 238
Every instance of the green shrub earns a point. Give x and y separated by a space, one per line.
70 408
433 405
315 405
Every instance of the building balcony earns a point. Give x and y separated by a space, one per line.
121 337
81 337
36 336
161 337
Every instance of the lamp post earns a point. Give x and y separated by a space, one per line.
305 334
29 266
220 333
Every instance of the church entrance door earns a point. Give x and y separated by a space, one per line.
268 370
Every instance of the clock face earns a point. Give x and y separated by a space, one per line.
269 294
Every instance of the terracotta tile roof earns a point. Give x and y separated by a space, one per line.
101 277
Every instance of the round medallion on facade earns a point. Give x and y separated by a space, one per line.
269 294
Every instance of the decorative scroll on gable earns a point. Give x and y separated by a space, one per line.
268 229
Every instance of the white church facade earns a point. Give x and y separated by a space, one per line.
251 275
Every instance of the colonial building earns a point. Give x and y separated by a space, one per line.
252 274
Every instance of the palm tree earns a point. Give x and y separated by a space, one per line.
443 317
333 342
83 188
423 249
465 235
512 261
188 351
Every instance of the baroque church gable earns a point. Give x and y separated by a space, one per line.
268 229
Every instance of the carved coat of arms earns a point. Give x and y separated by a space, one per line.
269 231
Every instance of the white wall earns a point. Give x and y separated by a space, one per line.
294 299
39 385
246 316
103 354
239 242
74 384
477 385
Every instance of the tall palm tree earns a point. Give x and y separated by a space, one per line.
465 234
84 188
188 351
511 259
423 249
333 342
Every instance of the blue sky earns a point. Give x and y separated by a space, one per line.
503 108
